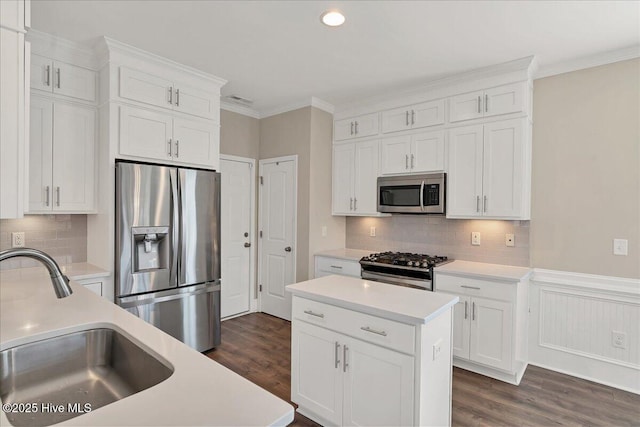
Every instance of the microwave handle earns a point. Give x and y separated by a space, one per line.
422 196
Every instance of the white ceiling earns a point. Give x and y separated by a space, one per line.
278 53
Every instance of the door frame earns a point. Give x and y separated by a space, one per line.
261 163
253 291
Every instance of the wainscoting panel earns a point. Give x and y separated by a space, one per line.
573 321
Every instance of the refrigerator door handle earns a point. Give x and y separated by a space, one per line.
175 226
137 300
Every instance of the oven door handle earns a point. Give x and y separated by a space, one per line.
422 196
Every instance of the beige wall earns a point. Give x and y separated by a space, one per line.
284 135
239 135
320 187
586 162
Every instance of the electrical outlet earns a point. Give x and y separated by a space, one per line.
475 238
620 247
437 349
372 231
619 339
17 239
510 240
324 231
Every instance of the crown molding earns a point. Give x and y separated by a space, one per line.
310 102
589 61
61 49
240 109
322 105
107 46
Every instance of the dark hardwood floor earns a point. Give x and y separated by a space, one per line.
257 346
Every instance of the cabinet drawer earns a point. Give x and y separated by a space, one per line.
475 287
337 266
383 332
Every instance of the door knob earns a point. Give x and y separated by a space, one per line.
246 234
247 245
288 249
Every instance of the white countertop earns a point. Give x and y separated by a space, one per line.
483 270
345 253
199 392
393 302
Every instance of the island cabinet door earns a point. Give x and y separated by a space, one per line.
491 333
316 371
378 386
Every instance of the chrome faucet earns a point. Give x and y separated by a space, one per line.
59 281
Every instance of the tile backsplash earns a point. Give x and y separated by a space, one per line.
440 236
64 237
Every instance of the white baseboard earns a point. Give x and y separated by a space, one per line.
572 319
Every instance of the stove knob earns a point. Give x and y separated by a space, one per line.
410 264
425 264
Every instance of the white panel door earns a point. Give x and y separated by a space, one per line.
195 101
378 386
41 73
343 178
466 106
40 155
74 135
396 119
394 155
145 133
236 207
73 81
277 223
366 175
316 370
504 99
427 114
196 143
146 88
427 152
503 168
464 178
491 333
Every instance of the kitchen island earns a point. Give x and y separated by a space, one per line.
370 353
198 392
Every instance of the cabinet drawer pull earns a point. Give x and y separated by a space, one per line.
58 74
412 161
355 204
336 266
477 203
58 195
48 81
373 331
337 361
311 313
171 95
406 161
466 309
344 358
413 117
469 287
177 146
177 97
46 203
486 103
170 144
473 311
356 127
351 203
406 118
479 108
351 128
485 204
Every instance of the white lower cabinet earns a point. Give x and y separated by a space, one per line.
352 368
326 265
489 325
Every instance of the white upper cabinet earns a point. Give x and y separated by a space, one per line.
488 172
61 157
62 78
159 136
15 15
160 92
490 102
416 153
355 171
414 116
356 127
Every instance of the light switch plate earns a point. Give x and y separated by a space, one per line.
372 231
324 231
620 247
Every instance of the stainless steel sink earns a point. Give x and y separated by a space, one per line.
63 377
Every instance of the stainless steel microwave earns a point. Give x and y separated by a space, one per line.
412 194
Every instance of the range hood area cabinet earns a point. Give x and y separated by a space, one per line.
417 153
489 171
62 175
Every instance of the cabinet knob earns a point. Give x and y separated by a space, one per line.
287 249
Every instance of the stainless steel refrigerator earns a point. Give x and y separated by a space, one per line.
168 249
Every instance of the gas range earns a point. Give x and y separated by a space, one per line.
401 268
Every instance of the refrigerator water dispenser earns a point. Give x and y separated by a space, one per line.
150 248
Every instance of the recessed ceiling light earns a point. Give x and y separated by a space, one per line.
332 18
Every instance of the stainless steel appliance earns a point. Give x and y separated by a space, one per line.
412 194
168 249
405 269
